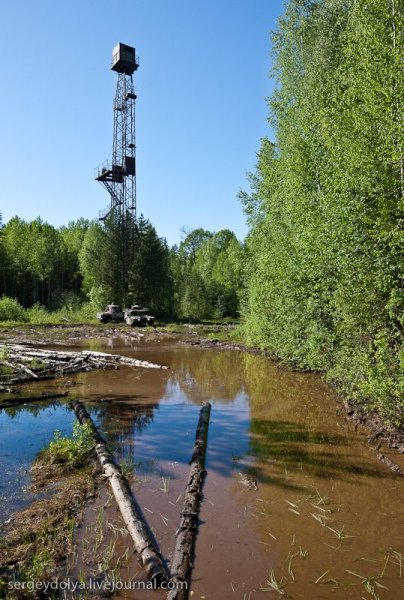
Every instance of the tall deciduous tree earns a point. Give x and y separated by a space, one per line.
325 230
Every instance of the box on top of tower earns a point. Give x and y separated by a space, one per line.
124 59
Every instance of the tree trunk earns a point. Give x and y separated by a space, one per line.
55 362
185 536
149 556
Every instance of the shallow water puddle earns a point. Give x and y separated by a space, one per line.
23 432
295 501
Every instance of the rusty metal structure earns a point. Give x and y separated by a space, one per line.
118 176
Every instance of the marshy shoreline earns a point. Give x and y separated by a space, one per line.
201 336
53 517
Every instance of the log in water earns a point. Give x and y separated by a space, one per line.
55 362
149 555
23 399
185 536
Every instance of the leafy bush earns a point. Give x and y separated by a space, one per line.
38 315
11 310
84 313
70 301
71 451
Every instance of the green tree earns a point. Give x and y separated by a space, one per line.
150 282
217 262
94 264
72 238
323 250
207 274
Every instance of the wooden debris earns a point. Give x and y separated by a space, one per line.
149 555
248 482
185 536
395 468
33 364
20 367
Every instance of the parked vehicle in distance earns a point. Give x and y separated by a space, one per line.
112 312
136 316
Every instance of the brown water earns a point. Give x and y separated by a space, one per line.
293 495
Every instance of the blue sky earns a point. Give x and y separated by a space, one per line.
201 86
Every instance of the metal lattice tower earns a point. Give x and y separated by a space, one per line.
119 175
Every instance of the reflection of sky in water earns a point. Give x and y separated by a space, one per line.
171 434
166 434
21 437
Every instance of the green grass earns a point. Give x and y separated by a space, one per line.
12 313
38 315
222 330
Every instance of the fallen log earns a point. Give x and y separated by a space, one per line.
181 565
20 367
395 468
56 362
22 400
18 350
24 379
125 360
149 555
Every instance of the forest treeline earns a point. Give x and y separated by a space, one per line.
318 280
74 268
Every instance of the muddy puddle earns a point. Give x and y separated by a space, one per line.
295 502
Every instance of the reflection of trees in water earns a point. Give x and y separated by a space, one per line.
278 391
293 423
208 374
120 423
213 374
35 410
131 342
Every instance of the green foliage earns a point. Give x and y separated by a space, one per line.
324 250
11 310
147 261
97 297
4 353
68 274
38 263
150 281
83 313
95 261
70 451
207 274
39 315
